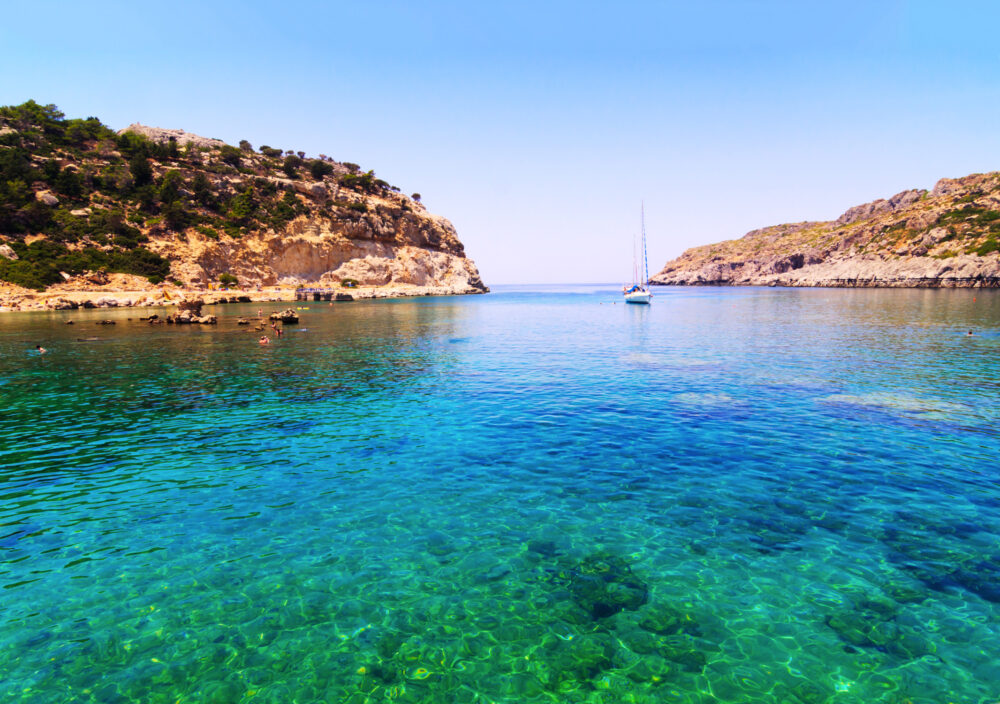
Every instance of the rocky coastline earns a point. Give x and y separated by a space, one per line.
15 299
943 238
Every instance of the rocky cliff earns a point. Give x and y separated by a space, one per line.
170 207
946 237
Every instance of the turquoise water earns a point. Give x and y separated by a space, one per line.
734 495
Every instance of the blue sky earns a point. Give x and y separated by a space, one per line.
538 128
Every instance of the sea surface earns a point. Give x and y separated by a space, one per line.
538 495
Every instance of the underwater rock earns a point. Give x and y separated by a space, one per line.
649 668
982 579
638 640
583 656
680 650
603 585
545 548
665 620
439 544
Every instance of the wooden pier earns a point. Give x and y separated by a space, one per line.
321 294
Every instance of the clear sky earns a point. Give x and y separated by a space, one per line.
538 128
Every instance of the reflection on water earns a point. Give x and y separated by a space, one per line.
732 495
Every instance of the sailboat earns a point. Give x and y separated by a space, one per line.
638 292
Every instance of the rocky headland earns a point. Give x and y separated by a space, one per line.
90 217
946 237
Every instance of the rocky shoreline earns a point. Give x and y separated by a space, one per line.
26 300
943 238
848 272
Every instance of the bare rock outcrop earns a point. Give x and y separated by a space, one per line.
160 134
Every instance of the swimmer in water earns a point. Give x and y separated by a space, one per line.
42 350
265 340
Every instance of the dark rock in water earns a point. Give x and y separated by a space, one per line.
603 584
905 594
662 619
982 579
545 548
439 544
105 322
687 658
287 317
388 643
68 322
583 656
383 672
343 297
638 640
242 321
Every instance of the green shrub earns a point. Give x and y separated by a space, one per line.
40 262
990 245
209 232
291 165
176 217
231 155
349 283
318 169
228 279
142 172
170 186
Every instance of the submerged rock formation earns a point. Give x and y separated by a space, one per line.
947 237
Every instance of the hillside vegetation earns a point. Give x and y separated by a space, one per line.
944 237
76 197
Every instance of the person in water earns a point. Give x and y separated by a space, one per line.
265 340
42 350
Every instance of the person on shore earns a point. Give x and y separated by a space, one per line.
42 350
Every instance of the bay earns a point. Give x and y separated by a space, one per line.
732 495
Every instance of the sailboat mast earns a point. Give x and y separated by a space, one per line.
635 260
645 259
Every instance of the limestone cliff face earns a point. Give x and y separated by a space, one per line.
382 248
943 238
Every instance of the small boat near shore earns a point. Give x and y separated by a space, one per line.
639 292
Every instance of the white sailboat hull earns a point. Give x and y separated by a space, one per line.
638 297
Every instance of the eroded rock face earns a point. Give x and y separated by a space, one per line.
376 250
945 238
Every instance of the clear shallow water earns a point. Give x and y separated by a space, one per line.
735 495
